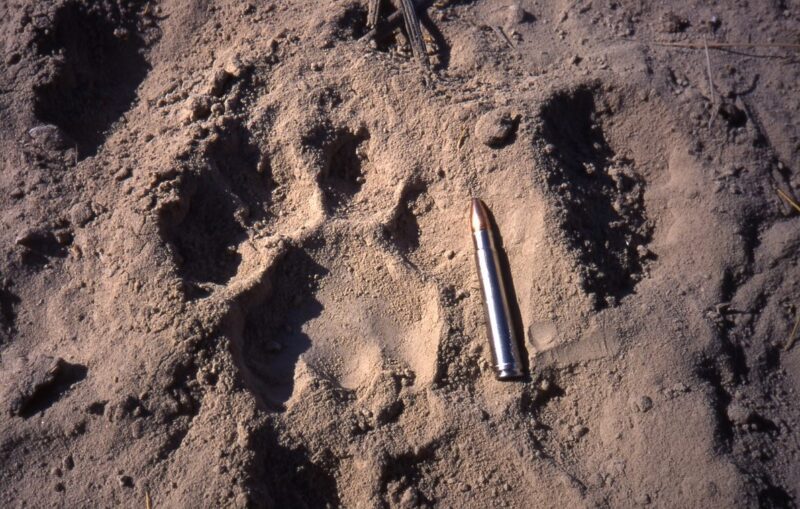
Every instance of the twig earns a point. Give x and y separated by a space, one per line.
391 21
373 11
147 503
462 138
793 335
788 199
726 45
710 85
502 35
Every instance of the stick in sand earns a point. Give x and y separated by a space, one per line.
373 11
414 30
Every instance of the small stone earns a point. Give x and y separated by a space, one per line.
450 254
643 499
671 23
122 174
516 15
235 67
50 137
410 498
641 404
80 214
495 128
68 463
549 149
578 431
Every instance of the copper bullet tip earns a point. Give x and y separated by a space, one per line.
479 216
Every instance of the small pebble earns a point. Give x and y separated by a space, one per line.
515 14
122 174
642 404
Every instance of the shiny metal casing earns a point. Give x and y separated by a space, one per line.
506 357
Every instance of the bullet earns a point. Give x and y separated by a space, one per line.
506 358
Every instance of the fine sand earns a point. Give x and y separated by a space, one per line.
237 268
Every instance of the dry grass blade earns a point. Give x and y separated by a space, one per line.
414 30
502 35
147 503
710 85
726 45
788 199
462 138
793 335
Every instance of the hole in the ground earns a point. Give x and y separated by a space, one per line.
343 161
207 237
708 371
98 68
60 379
601 196
289 477
407 475
247 171
774 497
273 338
40 246
403 230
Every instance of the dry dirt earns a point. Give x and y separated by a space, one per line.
237 269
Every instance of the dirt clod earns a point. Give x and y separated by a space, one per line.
495 128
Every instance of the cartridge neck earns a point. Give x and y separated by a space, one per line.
483 240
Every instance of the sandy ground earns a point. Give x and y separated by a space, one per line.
237 269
